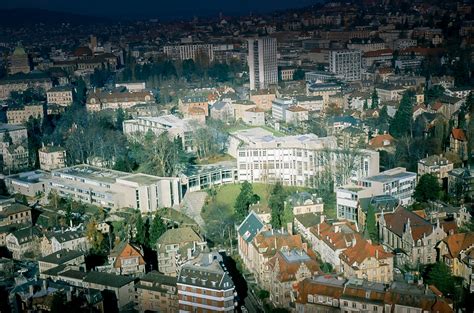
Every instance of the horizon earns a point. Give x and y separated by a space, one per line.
168 11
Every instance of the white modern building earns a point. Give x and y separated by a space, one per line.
302 160
396 182
116 190
176 127
262 61
346 63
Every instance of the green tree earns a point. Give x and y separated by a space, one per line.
287 216
7 138
157 229
371 224
427 189
276 202
243 201
120 117
401 123
383 115
263 294
440 275
375 99
299 74
326 267
366 105
140 230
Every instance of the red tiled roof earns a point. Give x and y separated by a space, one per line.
376 53
311 287
287 270
378 141
363 250
458 134
459 242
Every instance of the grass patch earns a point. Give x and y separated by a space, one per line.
176 216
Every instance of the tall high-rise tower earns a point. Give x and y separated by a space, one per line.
262 61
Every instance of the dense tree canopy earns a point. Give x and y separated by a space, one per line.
427 189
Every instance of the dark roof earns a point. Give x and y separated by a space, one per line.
61 256
382 202
250 227
309 219
106 279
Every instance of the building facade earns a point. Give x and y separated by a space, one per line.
346 63
262 62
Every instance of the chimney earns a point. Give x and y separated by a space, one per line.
318 228
289 227
69 296
377 254
45 285
31 290
305 247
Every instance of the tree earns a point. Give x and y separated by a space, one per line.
440 275
157 229
375 99
371 224
366 105
299 74
140 230
276 202
243 201
326 267
287 216
94 236
401 123
7 138
119 119
428 189
383 115
263 294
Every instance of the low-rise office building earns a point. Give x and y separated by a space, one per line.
114 189
29 184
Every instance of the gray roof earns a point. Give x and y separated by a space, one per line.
206 271
61 256
250 227
309 219
382 202
106 279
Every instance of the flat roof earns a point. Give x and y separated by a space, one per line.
92 173
141 179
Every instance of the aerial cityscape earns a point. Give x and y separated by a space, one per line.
238 156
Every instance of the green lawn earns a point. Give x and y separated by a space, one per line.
227 194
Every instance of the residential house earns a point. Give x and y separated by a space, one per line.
61 95
52 158
222 110
368 261
20 115
246 232
177 246
287 268
383 142
123 287
127 259
254 117
457 251
461 182
23 242
319 294
68 240
157 292
194 105
436 165
330 238
101 100
15 213
263 98
296 114
458 143
362 296
61 258
304 202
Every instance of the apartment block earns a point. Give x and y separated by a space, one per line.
52 158
205 286
20 115
346 63
61 95
262 62
189 51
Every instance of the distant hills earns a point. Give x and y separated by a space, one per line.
20 17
